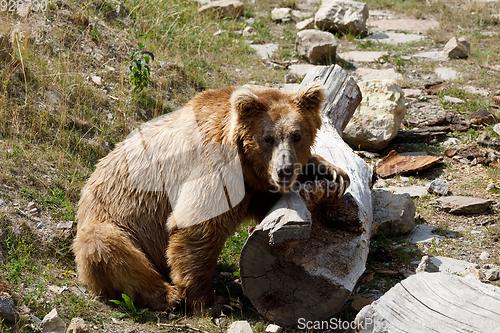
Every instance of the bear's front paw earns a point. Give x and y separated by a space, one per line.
314 192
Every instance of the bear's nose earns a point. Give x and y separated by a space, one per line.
285 171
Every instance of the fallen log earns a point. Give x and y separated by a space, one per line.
303 265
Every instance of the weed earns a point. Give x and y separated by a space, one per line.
129 309
139 70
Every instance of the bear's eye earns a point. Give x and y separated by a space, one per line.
296 137
269 139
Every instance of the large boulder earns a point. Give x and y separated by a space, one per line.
393 214
344 16
317 46
377 119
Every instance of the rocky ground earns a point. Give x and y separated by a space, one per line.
402 44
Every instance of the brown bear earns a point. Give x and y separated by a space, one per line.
154 216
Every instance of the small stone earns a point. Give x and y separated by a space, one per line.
426 265
250 21
8 310
31 205
482 117
280 14
492 274
456 49
472 273
491 187
53 323
484 255
272 328
304 25
393 213
446 73
316 46
463 205
77 325
240 326
249 31
290 78
266 50
438 186
453 100
96 79
423 234
3 203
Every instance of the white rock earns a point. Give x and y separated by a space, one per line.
300 69
77 325
492 274
249 31
280 14
484 255
413 191
363 56
431 55
232 9
438 186
96 79
393 213
378 74
423 234
453 100
52 323
451 266
472 273
344 16
496 128
265 50
241 326
316 46
271 328
396 38
378 117
446 73
306 24
456 49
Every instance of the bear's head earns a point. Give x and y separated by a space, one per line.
274 131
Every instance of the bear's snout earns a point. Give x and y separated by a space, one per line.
285 171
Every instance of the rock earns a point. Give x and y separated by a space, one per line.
412 191
463 205
393 213
316 46
431 55
240 326
5 48
453 100
360 303
8 310
449 142
423 234
412 93
438 186
2 203
363 56
426 265
446 73
52 323
395 38
271 328
406 25
290 78
281 14
491 187
249 31
456 49
378 74
305 25
450 265
266 50
233 9
77 325
344 16
378 117
496 128
65 225
492 274
300 69
96 79
472 273
484 256
482 117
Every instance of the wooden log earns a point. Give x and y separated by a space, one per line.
298 264
433 302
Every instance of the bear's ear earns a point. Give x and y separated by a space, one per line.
311 96
246 104
310 99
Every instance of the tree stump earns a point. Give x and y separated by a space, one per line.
303 265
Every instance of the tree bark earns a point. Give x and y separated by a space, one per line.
301 265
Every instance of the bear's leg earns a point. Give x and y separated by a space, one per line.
192 257
109 263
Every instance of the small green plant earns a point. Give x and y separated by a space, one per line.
129 309
139 70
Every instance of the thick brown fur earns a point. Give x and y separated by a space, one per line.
128 237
